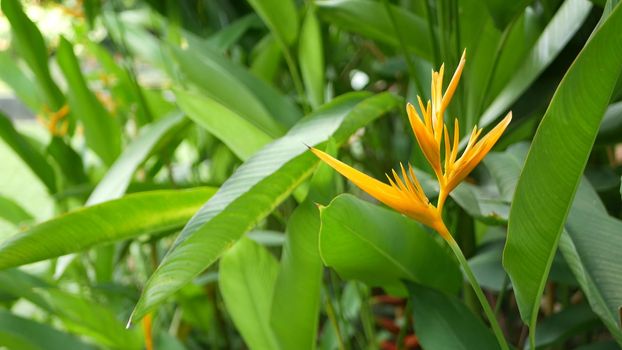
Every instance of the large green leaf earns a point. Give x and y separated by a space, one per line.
444 322
370 19
229 90
281 107
246 279
115 182
254 190
281 16
550 43
131 216
553 167
382 247
33 159
242 137
592 246
21 333
30 45
311 57
102 131
77 313
296 301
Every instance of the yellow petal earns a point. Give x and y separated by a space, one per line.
453 84
473 155
379 190
425 139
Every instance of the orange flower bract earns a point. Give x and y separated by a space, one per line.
405 194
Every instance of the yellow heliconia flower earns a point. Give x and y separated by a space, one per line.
406 195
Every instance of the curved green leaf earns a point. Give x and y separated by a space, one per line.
242 137
247 273
131 216
370 19
22 84
254 190
551 42
554 166
21 333
115 182
444 322
101 130
592 246
229 91
382 247
31 46
33 159
281 107
280 16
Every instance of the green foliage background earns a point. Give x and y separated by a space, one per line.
179 186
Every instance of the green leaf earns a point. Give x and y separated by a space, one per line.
370 19
92 319
12 212
503 12
23 85
30 45
280 16
229 35
296 302
254 190
33 159
131 216
311 57
551 42
443 322
246 279
21 333
229 91
592 246
569 322
102 131
553 167
279 106
382 247
242 137
266 58
115 182
505 168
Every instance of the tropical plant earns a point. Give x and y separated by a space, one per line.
170 174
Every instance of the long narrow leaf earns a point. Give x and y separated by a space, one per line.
128 217
254 190
554 166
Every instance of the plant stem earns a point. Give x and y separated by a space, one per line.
330 312
479 293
